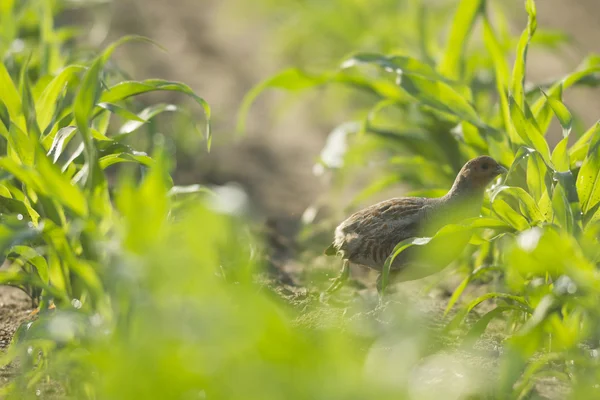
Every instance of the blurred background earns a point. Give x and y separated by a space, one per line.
222 48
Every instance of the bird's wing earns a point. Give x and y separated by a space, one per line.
388 221
392 213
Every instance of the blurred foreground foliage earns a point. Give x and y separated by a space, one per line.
155 292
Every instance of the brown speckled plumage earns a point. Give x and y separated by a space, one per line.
369 236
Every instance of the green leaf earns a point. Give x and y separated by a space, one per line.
463 285
527 204
502 76
120 111
62 138
579 149
562 113
440 96
567 181
46 179
21 146
528 130
9 95
85 102
190 189
544 113
588 178
517 300
518 73
27 254
568 81
462 25
433 254
124 90
289 79
563 215
478 329
560 156
46 104
112 159
4 116
28 105
402 65
395 64
146 115
510 216
536 176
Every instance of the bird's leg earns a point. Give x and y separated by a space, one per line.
341 279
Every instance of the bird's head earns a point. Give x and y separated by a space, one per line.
477 173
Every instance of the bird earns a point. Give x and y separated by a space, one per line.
369 236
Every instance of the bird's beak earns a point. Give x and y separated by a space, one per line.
500 170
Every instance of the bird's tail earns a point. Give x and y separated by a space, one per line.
331 250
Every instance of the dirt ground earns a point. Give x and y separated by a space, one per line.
15 308
273 162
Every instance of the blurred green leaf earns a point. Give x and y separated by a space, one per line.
46 104
502 76
112 159
290 79
463 21
144 116
120 111
11 98
518 73
124 90
440 96
27 254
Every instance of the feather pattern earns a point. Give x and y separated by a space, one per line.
370 235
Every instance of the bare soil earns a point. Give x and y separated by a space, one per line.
15 308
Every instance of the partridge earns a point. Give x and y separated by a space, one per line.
370 235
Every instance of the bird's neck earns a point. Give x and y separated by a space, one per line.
463 191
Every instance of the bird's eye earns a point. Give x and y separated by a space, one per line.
485 166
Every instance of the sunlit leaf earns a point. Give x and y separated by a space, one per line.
528 130
46 104
588 179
